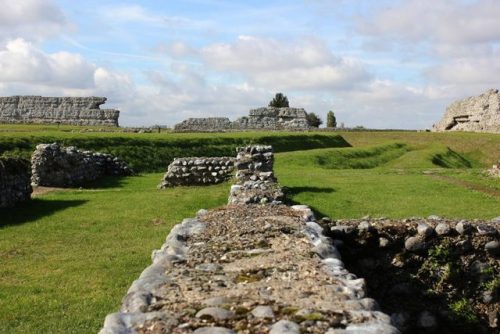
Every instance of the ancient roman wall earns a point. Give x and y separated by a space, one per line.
477 113
197 171
267 118
57 166
209 124
15 185
250 268
57 110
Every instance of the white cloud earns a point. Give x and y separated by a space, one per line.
272 64
21 61
444 21
31 19
138 14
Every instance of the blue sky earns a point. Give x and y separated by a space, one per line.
380 64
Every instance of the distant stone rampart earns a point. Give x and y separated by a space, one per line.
57 110
15 186
477 113
197 171
266 118
57 166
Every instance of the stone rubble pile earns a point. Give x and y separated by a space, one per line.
495 170
477 113
248 269
255 180
15 185
53 165
266 118
455 260
57 110
197 171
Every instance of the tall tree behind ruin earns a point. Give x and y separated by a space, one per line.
279 101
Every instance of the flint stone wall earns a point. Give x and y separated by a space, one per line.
197 171
267 118
478 113
208 124
255 180
242 266
57 166
57 110
15 185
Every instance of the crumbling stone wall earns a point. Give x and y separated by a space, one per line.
57 110
439 275
477 113
15 185
256 182
197 171
57 166
267 118
209 124
248 268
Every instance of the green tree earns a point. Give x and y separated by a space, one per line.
331 121
313 120
279 101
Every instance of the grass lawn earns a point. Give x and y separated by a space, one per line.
391 180
67 258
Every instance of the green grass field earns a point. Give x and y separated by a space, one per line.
68 257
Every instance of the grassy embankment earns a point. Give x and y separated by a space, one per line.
67 258
397 175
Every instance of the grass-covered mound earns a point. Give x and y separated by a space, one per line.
152 152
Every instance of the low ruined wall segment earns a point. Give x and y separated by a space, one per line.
15 185
57 110
53 165
248 268
266 118
208 124
197 171
477 113
255 180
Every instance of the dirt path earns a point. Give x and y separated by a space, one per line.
39 191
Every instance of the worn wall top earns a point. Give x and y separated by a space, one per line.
57 110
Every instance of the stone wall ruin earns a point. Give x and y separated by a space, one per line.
57 110
248 268
15 185
197 171
477 113
53 165
267 118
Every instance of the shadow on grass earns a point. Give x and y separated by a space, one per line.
293 191
34 210
106 182
451 159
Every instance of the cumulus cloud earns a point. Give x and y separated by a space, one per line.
31 19
22 61
446 21
269 63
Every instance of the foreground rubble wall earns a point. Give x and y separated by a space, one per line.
15 185
248 268
197 171
57 110
477 113
53 165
